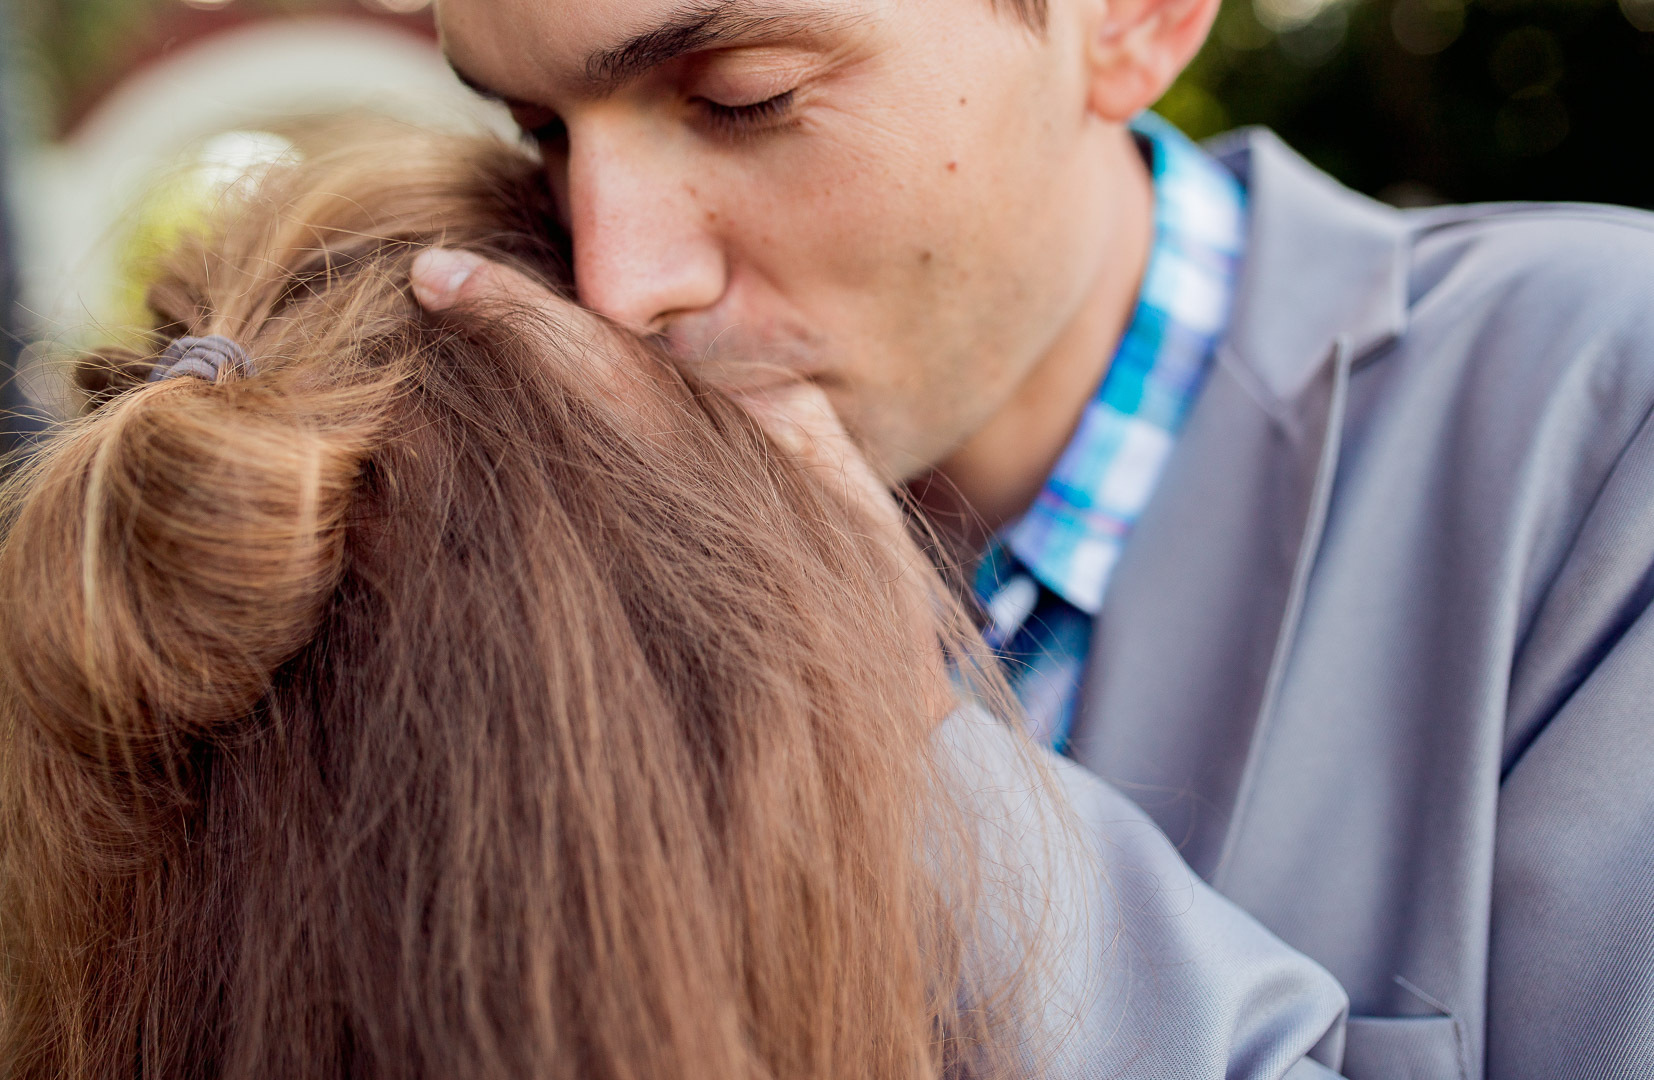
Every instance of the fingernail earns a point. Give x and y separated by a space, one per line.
438 273
787 435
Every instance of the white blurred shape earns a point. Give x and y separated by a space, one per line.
226 159
1282 16
212 98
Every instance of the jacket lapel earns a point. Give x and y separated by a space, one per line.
1196 634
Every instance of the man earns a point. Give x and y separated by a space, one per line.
1325 530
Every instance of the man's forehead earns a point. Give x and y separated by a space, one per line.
513 46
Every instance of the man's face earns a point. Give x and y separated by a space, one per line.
894 198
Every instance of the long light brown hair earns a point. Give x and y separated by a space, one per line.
411 708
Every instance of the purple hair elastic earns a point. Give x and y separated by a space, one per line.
201 357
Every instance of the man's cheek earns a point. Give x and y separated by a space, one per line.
869 156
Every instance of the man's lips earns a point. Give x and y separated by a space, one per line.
740 358
746 378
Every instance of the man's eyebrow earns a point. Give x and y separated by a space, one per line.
701 26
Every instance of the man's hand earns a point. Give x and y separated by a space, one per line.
442 278
448 280
796 416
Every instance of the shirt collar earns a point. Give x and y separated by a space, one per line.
1073 534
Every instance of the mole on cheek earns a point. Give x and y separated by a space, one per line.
925 258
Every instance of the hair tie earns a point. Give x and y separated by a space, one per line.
201 357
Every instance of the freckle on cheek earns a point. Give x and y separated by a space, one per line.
961 101
924 258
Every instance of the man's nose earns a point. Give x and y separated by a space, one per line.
644 249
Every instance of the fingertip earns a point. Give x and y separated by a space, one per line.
438 274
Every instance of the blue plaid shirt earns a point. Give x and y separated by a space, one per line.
1042 580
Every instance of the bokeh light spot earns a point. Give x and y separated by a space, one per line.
1282 16
1640 13
1318 41
1527 58
1426 27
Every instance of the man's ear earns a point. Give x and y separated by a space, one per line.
1136 48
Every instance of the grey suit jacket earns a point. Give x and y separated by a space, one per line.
1143 972
1379 656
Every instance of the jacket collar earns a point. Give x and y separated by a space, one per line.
1343 257
1219 566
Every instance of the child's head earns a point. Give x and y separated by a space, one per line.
475 698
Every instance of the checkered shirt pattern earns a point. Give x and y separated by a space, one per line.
1042 580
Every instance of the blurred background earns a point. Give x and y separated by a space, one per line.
123 117
124 120
1441 100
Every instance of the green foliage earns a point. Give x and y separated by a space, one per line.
155 227
1441 99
